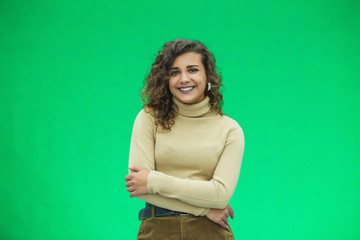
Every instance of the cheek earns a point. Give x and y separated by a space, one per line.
172 86
203 82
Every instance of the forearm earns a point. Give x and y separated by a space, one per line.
215 193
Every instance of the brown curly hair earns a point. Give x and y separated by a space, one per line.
156 95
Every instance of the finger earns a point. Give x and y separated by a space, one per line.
133 194
231 211
226 221
223 224
130 189
128 177
129 183
135 169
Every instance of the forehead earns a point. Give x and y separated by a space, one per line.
189 58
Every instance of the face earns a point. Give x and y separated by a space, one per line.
187 79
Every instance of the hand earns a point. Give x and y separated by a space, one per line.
220 216
136 182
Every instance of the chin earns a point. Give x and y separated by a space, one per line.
189 101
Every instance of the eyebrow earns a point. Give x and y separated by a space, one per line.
189 66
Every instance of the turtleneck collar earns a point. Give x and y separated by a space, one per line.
192 110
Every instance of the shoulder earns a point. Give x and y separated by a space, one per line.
144 118
144 125
232 126
231 123
145 114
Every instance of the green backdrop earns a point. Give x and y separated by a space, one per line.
71 74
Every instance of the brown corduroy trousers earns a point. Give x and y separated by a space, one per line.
182 228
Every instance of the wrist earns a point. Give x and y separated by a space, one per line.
149 182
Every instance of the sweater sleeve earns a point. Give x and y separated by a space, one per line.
215 193
142 155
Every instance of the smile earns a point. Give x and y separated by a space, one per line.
186 89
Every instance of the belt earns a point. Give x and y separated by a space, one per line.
151 210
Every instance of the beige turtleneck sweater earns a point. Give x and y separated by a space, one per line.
196 165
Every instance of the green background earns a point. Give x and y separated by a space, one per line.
71 74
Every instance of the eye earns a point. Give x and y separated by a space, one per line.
193 70
174 73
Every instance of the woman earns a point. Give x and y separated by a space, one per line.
185 155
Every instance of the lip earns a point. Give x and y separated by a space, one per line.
186 89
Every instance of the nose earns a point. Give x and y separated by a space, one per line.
184 78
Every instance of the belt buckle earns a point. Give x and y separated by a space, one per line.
181 213
184 214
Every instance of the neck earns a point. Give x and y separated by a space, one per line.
192 110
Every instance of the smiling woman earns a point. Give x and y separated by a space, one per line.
185 155
156 94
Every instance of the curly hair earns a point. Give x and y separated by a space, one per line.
156 95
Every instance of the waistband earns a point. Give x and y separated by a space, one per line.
154 211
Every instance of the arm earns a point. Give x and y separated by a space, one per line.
219 216
215 193
142 155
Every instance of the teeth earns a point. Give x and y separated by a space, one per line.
186 89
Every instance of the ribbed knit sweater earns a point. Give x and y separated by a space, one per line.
196 165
